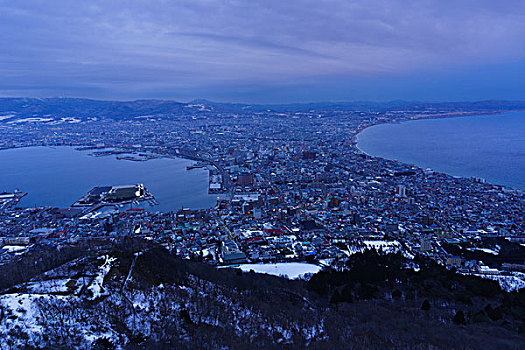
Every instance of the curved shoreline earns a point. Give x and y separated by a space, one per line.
355 141
227 185
434 117
84 153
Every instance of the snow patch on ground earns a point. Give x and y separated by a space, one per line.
69 120
24 311
14 248
507 283
96 286
292 270
30 120
4 117
58 285
385 246
486 250
353 250
326 262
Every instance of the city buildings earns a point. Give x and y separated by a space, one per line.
292 186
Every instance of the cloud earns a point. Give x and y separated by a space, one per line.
138 48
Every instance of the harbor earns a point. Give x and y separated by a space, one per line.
99 197
34 170
11 198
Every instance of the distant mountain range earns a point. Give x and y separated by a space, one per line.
85 108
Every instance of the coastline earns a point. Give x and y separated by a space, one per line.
199 203
226 185
355 144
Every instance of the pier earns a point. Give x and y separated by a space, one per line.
99 197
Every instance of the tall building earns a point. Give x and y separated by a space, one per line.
309 155
245 179
425 245
401 191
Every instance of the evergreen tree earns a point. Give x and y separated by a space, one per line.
459 318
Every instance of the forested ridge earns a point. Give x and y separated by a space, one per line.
150 298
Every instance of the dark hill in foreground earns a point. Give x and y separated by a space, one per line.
136 294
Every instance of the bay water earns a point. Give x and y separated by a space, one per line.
486 146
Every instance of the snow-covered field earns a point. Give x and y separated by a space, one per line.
30 120
96 287
21 312
14 248
58 285
508 283
292 270
48 119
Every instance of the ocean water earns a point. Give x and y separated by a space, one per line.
58 176
490 146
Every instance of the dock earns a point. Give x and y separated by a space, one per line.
114 195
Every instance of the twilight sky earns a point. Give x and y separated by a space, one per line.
264 51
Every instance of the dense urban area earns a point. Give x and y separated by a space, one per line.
294 193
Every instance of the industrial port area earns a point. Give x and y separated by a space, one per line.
99 197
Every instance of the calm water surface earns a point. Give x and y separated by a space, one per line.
491 147
59 176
